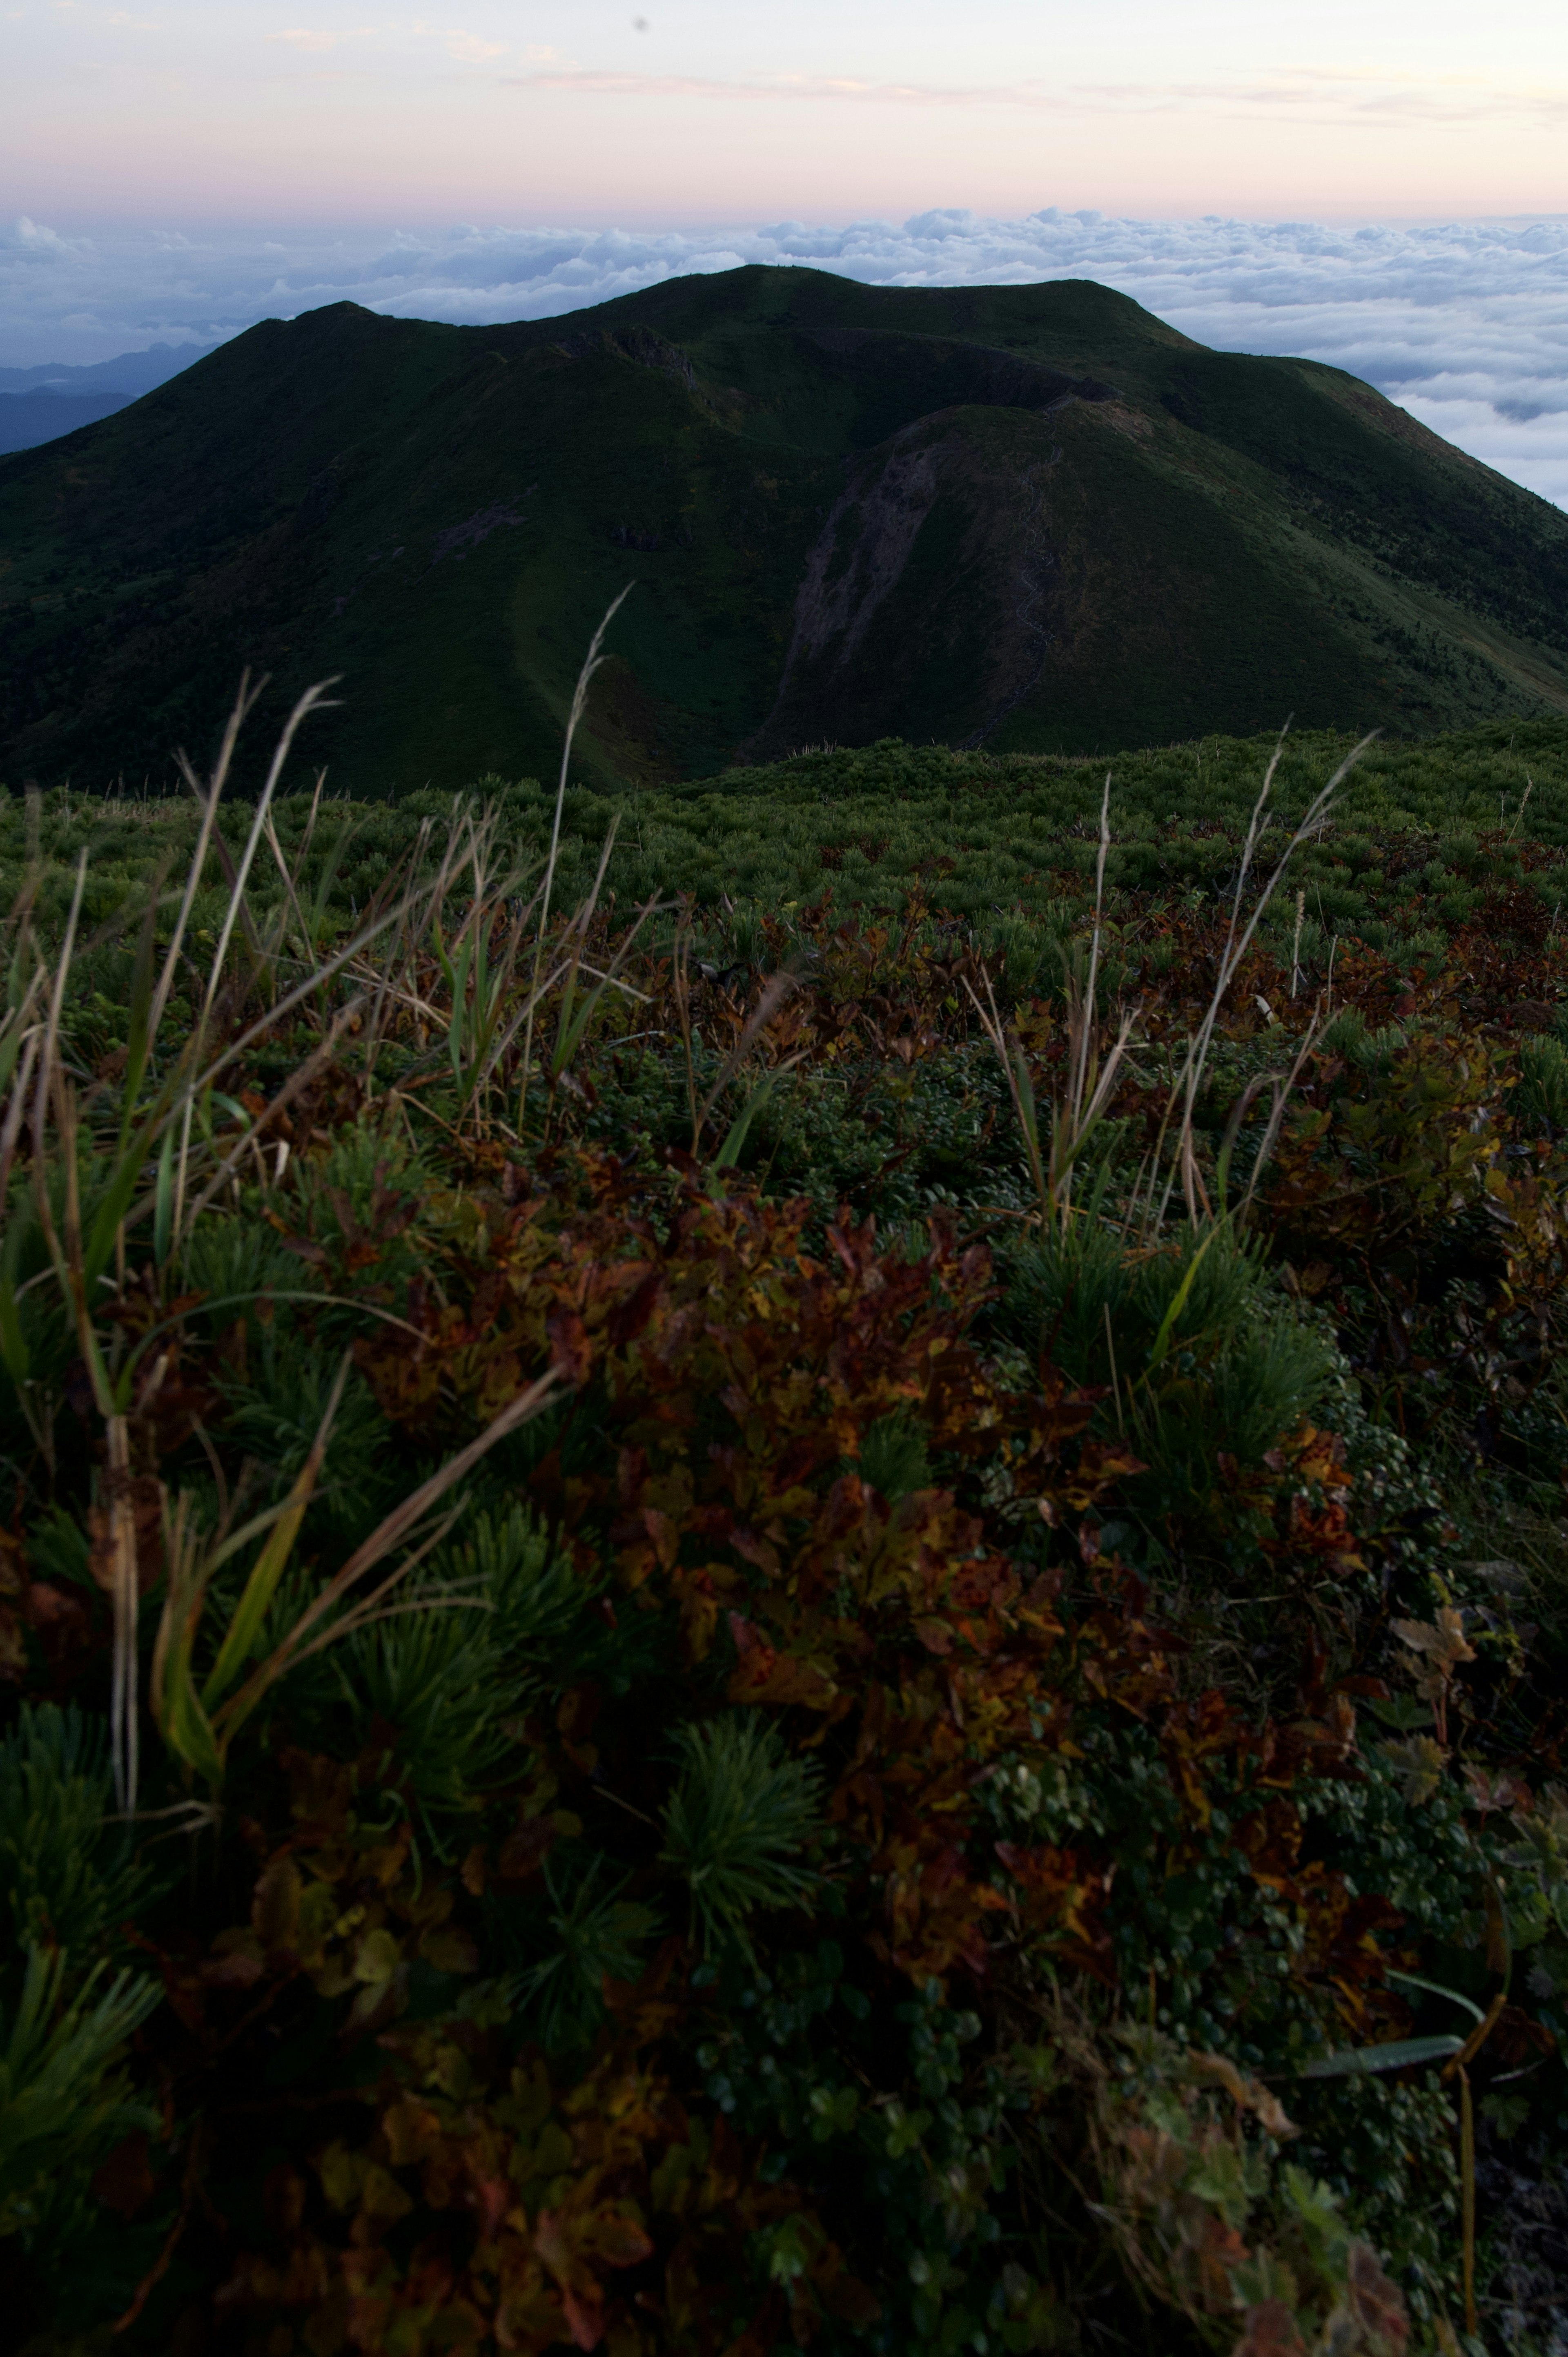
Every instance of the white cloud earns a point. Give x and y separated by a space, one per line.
1465 323
28 241
467 48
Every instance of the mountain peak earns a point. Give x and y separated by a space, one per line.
1029 517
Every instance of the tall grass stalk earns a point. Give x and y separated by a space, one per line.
165 1167
313 699
1186 1088
1091 1082
591 663
1075 1117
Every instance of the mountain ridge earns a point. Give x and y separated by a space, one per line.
1036 518
53 398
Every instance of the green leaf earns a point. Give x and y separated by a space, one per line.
162 1200
1403 1711
188 1730
60 2107
270 1565
1398 2054
729 1152
741 1810
1435 1989
1162 1340
13 1351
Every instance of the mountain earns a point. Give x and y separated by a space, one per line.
28 418
1031 517
128 373
38 404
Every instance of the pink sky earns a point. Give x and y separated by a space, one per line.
573 111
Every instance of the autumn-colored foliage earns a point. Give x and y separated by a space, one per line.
752 1730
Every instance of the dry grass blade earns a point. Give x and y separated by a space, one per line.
125 1590
1088 1011
774 991
49 1064
1283 1091
1188 1084
313 698
1073 1122
591 663
15 1113
208 798
298 1080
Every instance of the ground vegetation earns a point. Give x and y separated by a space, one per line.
809 1604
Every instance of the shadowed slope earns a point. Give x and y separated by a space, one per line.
1031 517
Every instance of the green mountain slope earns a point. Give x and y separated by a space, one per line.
1027 517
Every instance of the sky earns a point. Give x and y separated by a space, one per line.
1384 185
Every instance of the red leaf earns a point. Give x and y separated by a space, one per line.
1270 2331
573 1351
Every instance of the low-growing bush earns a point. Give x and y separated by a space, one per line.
784 1626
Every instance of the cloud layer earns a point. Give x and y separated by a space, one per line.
1466 324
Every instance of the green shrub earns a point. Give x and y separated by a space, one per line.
64 2101
1196 1348
1541 1100
740 1812
68 1876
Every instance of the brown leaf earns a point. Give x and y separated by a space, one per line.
570 1346
274 1908
144 1494
1443 1641
1270 2331
525 1848
240 1967
1376 2303
124 2183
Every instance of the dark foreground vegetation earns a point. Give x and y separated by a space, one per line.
832 1613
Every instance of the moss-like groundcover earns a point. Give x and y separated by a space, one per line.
816 1597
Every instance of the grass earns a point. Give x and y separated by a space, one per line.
1424 834
738 1609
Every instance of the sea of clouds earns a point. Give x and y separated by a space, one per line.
1464 323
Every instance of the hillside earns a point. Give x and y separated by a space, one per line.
1031 518
765 1629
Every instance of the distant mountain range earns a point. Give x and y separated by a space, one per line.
1031 517
37 405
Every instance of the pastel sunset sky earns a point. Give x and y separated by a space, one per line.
696 111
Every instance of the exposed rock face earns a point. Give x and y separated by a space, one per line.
643 345
936 561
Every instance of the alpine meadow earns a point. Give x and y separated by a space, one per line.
784 1549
